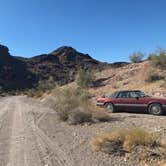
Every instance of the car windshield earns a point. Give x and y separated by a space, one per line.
114 95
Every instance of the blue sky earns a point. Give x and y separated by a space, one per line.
108 30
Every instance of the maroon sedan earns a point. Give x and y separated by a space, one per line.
134 100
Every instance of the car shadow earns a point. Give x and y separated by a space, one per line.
140 112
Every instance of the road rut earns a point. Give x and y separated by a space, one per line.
22 143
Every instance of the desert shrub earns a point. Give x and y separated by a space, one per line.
29 93
35 93
46 84
159 59
75 109
163 85
122 140
79 117
152 76
66 102
136 137
85 79
42 87
151 55
99 140
136 57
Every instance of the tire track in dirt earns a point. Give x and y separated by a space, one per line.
6 114
22 143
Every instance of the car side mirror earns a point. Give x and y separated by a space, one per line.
137 98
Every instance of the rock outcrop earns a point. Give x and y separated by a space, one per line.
61 65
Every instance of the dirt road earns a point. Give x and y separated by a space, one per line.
22 143
30 135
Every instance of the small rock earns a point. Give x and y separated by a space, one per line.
74 134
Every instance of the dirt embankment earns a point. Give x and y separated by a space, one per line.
130 77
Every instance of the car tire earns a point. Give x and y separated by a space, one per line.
155 109
110 107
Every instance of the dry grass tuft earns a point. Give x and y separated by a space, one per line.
136 137
126 139
163 85
34 93
152 76
101 141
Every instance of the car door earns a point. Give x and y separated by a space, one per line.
138 102
123 103
131 101
134 101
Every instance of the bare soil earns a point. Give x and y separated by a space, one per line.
31 135
75 140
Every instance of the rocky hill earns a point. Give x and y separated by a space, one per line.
13 72
61 64
132 76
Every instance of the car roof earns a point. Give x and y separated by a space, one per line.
128 91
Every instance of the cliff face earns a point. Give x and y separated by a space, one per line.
61 65
13 72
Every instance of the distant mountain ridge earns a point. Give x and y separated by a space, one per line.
61 64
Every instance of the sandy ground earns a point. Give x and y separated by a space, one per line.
75 140
31 135
22 143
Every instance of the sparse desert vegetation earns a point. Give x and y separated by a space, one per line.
127 139
143 76
85 78
136 57
135 141
72 118
158 59
73 105
81 83
152 76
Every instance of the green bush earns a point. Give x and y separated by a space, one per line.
85 79
46 84
158 59
73 108
152 77
68 102
136 57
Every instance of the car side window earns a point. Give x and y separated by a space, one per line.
123 95
134 95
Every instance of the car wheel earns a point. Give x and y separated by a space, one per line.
110 108
155 109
